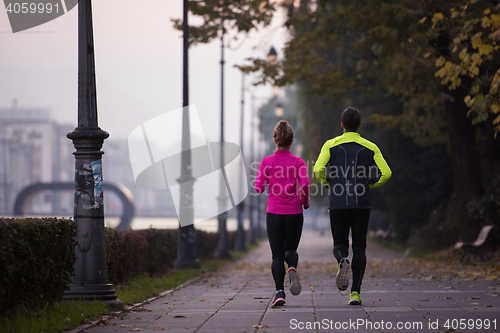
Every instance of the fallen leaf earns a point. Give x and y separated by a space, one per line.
179 316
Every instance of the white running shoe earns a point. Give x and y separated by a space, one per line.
295 286
342 280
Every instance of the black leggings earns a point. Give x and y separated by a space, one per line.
284 233
357 220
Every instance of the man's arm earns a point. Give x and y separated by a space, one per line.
385 171
319 167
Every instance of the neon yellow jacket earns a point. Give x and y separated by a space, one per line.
355 166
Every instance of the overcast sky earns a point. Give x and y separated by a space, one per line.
138 57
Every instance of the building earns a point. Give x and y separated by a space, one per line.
33 149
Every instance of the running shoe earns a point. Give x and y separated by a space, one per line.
354 298
295 286
342 280
279 300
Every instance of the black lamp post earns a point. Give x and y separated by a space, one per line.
239 242
251 209
90 279
222 250
186 246
272 57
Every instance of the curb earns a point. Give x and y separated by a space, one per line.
83 327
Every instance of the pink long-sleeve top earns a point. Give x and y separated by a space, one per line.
286 176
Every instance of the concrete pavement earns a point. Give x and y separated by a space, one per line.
395 299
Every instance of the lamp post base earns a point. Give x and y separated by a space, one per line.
222 250
94 292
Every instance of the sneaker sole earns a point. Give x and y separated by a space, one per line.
354 302
295 286
342 280
279 301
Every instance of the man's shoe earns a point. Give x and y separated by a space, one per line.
342 280
279 300
295 286
354 298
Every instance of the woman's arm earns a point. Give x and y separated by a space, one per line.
261 180
304 183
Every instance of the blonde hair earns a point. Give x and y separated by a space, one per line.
283 134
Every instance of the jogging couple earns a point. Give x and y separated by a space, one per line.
355 166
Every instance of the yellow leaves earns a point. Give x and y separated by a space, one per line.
422 20
437 17
485 49
496 20
477 43
454 13
495 108
486 22
476 40
495 35
427 55
495 82
440 61
464 56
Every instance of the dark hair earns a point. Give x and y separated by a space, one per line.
351 119
283 134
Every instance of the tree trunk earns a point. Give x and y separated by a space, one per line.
464 160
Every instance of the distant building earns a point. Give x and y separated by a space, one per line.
33 149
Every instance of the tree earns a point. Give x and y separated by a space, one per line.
349 50
474 57
226 15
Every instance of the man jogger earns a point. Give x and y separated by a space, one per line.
355 166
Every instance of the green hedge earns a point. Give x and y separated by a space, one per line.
36 260
151 251
37 256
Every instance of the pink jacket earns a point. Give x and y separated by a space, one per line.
286 176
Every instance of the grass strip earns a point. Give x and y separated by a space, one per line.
142 287
53 317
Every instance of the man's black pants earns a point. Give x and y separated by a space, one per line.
356 220
284 233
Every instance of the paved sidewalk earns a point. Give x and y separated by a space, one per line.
238 299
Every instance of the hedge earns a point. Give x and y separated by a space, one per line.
151 251
36 260
37 256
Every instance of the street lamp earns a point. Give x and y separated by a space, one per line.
279 110
90 280
222 250
239 242
253 193
276 90
272 56
186 246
